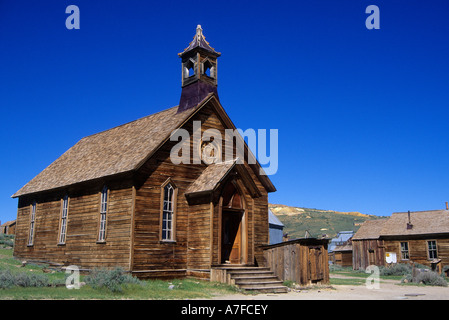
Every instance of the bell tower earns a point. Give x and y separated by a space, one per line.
199 71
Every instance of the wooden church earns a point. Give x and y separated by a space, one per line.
116 199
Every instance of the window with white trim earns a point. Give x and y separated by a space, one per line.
32 224
63 223
404 251
432 249
103 211
168 212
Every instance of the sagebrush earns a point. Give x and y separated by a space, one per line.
114 279
9 279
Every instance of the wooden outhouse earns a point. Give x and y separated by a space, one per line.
118 198
303 261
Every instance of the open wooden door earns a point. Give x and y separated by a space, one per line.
233 243
231 237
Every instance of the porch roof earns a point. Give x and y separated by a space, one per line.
211 178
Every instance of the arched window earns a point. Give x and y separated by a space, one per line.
168 206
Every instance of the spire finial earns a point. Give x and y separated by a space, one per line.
199 31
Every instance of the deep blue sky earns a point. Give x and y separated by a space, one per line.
363 115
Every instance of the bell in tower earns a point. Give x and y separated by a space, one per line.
199 71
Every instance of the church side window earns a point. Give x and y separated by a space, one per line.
32 224
63 223
103 212
168 211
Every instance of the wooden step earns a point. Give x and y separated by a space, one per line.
264 284
278 289
251 279
249 272
242 278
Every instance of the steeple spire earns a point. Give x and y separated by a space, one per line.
199 71
199 41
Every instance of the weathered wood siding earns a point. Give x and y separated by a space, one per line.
304 261
367 252
418 250
372 252
196 246
81 247
343 258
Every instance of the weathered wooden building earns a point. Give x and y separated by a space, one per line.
8 227
342 254
340 249
304 261
116 198
367 247
420 237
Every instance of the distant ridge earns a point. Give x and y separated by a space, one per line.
317 222
287 210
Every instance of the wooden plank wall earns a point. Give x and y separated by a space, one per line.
343 258
261 228
191 249
149 252
302 263
362 257
367 252
418 250
81 247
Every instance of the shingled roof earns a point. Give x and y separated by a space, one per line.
423 223
119 150
211 177
8 223
370 229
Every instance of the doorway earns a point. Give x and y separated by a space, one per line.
233 238
231 245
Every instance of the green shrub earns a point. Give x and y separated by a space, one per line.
6 279
6 240
398 269
22 279
431 278
335 267
111 279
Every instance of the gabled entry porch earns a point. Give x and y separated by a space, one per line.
229 190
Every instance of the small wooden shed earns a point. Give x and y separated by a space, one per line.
343 254
8 227
304 261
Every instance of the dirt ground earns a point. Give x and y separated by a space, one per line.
388 290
